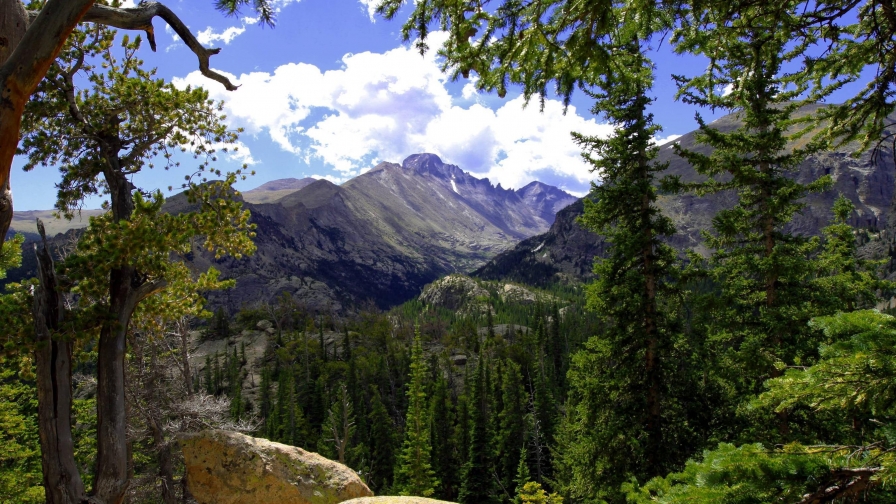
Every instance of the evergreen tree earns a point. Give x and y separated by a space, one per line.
414 474
523 475
382 444
320 335
843 281
265 397
477 483
758 311
446 464
851 385
510 437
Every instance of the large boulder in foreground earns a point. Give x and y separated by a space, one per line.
395 500
228 468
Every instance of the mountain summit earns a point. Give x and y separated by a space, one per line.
384 234
380 236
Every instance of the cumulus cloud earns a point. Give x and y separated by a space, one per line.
370 5
665 139
238 152
209 36
386 106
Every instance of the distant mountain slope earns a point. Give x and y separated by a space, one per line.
381 236
272 191
567 251
384 234
24 222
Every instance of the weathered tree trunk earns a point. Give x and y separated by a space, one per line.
13 23
112 447
28 58
53 360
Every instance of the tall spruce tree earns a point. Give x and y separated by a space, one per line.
757 313
382 444
414 474
477 483
510 437
623 415
446 464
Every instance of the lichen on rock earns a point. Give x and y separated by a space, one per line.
228 468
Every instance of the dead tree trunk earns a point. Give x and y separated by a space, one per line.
53 360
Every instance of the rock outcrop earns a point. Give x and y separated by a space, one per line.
452 292
230 468
396 500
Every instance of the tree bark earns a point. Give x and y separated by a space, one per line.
27 54
20 74
126 289
13 23
53 360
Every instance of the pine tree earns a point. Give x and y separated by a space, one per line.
843 281
265 397
446 464
757 314
623 418
382 444
320 334
414 474
477 482
523 475
510 437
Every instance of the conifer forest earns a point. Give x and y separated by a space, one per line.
758 366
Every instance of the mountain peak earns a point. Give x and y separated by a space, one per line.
424 159
426 163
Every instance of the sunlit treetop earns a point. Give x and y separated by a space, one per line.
564 44
122 113
539 45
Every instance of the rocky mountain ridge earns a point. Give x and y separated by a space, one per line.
566 252
379 237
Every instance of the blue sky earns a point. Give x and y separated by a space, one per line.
331 91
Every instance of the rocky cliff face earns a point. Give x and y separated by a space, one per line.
380 237
567 250
383 235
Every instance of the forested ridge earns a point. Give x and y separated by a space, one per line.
755 371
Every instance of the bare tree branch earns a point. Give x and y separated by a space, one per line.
140 18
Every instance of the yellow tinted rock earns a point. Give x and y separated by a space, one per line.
231 468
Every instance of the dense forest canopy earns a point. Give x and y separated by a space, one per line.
752 373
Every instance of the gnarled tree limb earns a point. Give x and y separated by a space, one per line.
21 73
47 33
140 18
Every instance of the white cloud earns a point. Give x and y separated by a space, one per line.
665 139
332 178
209 36
390 105
238 152
371 8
